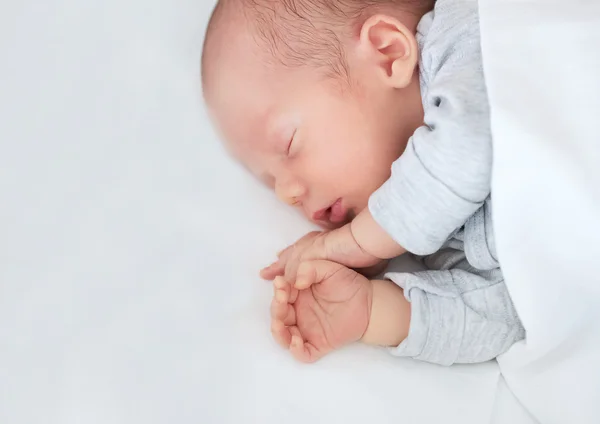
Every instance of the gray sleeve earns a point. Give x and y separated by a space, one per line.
457 317
444 175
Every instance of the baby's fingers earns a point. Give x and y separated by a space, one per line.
277 268
281 333
281 309
302 351
283 313
274 270
281 290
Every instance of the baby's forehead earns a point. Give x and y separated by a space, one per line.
249 106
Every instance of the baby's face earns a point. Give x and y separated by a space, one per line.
322 147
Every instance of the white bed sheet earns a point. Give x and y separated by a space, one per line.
130 244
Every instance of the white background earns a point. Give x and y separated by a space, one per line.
130 244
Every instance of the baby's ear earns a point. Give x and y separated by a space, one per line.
391 47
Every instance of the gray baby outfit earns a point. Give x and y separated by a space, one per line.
437 203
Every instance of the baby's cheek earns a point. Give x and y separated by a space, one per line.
268 181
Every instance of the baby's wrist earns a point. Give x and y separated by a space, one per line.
372 239
340 246
389 316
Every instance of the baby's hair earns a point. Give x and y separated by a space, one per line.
298 33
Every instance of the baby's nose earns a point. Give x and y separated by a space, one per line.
291 193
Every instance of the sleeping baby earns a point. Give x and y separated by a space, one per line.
371 117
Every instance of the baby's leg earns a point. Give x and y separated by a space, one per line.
458 315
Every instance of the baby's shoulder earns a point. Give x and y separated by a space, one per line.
449 41
451 29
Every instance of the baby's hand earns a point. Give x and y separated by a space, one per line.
337 246
327 307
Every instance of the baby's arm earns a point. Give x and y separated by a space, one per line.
439 323
444 174
455 316
390 315
359 244
443 317
372 238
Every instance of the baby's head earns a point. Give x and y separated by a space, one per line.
316 97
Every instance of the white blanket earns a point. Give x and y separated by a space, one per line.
129 245
542 63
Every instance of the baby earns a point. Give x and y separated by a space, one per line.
371 116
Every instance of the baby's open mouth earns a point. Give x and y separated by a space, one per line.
334 214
